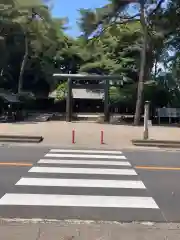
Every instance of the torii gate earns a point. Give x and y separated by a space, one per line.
104 86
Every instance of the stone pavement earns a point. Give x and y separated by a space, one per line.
87 231
87 134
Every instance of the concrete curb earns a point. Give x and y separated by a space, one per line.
21 139
156 143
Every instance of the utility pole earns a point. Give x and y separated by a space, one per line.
146 121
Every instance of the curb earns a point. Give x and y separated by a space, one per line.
21 138
156 143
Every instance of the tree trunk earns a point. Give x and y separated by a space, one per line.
23 64
155 67
142 68
3 51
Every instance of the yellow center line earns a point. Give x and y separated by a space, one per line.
18 164
158 168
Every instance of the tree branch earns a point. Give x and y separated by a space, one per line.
127 19
157 7
132 17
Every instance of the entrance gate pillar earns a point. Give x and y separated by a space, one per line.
69 101
106 101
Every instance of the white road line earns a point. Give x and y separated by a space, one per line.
104 171
84 162
78 201
56 182
59 155
84 151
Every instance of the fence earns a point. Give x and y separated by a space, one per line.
168 113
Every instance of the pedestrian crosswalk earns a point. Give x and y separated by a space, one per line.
79 182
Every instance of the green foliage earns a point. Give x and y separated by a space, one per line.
123 95
111 43
30 20
61 91
115 52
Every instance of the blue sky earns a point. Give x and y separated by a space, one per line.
69 8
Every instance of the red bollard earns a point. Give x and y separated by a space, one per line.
102 137
73 136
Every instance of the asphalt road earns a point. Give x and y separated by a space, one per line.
14 163
135 186
161 176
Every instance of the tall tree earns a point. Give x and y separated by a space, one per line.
30 38
117 12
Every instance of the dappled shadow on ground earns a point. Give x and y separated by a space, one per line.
31 119
24 122
20 122
116 119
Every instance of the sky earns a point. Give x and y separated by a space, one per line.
69 8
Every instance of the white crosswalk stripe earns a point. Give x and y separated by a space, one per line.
62 155
98 171
82 162
84 151
104 171
78 201
81 183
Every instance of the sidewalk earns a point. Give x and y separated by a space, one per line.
64 230
87 134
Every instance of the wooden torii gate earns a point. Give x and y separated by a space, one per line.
105 85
